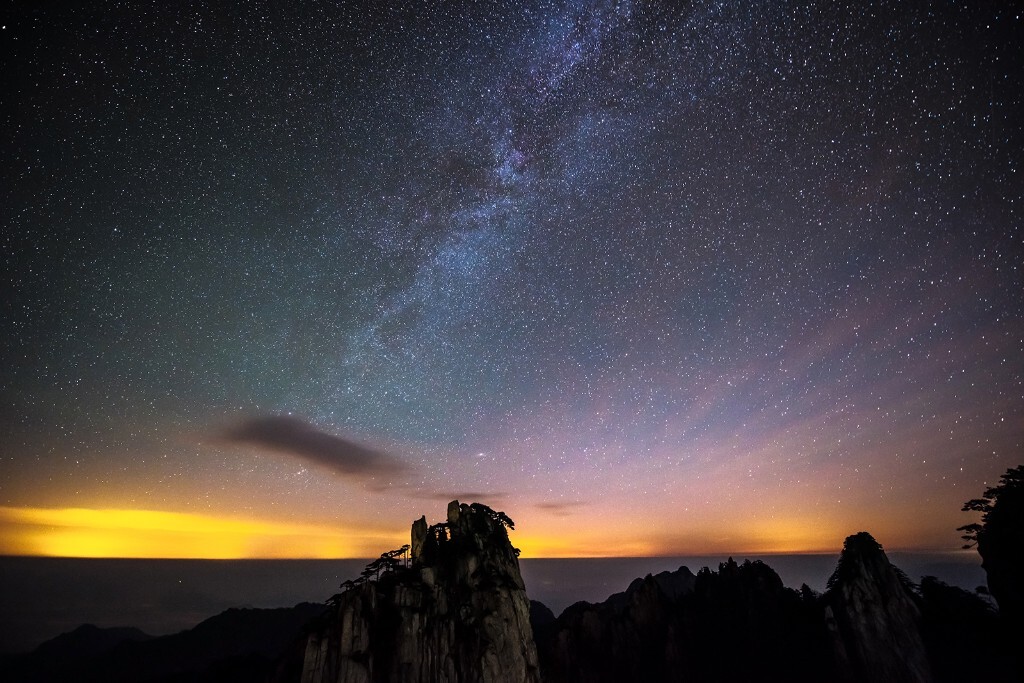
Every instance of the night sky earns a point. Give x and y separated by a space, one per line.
652 277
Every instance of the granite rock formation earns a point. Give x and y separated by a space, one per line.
873 619
456 612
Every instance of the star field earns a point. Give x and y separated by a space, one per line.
668 279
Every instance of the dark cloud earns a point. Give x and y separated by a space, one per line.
560 508
296 437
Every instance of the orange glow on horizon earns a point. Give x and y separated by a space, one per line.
155 534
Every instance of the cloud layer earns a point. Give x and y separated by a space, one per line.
296 437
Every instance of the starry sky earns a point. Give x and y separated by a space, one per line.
652 277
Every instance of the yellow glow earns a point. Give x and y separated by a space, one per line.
80 532
789 536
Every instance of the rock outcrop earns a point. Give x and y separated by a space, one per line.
456 612
739 623
872 617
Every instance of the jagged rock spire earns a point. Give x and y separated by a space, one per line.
459 613
870 612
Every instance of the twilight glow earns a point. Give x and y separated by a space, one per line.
734 277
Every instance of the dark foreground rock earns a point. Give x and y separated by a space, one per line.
458 613
741 624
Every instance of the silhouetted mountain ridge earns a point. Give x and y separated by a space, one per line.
89 640
456 610
236 645
740 623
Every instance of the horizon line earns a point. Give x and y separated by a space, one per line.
738 555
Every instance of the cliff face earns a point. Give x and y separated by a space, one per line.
629 637
457 613
872 618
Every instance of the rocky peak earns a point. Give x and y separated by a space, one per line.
457 611
735 624
871 614
472 548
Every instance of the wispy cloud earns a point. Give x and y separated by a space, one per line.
560 508
298 438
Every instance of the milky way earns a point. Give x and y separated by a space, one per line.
724 276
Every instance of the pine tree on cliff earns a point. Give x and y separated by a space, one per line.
1000 542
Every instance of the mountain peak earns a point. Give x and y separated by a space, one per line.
872 616
455 610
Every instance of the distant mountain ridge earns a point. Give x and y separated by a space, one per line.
236 645
89 640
